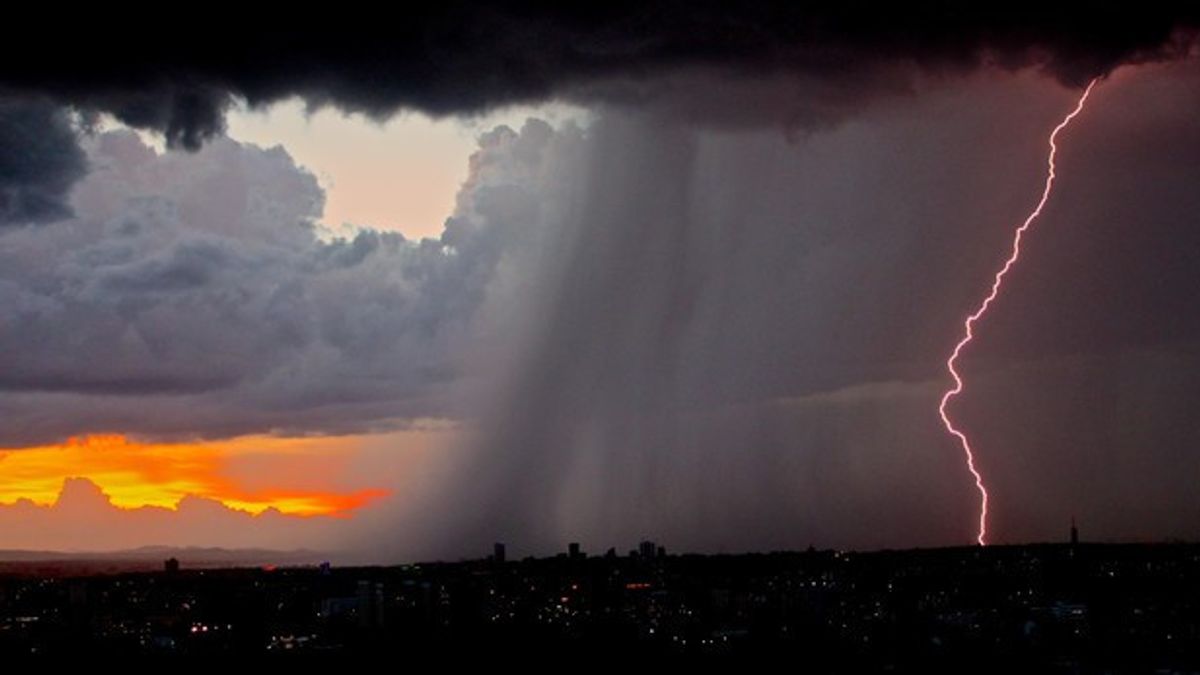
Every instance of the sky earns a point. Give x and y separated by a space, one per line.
600 276
397 174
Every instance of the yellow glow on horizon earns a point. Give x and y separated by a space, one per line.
135 474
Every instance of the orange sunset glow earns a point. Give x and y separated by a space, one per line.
295 477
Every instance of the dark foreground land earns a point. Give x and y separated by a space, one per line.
1047 608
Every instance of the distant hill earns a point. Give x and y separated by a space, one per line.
70 563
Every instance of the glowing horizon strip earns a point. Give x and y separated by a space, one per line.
134 473
971 319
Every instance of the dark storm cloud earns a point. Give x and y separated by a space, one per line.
39 161
191 295
461 57
798 64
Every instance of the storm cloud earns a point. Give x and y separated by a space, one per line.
460 57
40 160
801 65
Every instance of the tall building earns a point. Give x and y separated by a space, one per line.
498 552
370 604
1074 533
573 550
646 550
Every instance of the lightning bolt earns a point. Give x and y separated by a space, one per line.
983 307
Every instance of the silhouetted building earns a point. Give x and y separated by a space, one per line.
1074 533
1034 608
171 566
498 552
573 550
646 550
370 604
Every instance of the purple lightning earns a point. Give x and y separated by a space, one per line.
983 307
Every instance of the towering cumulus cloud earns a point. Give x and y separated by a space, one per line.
191 294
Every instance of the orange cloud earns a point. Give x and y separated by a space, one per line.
295 476
84 519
